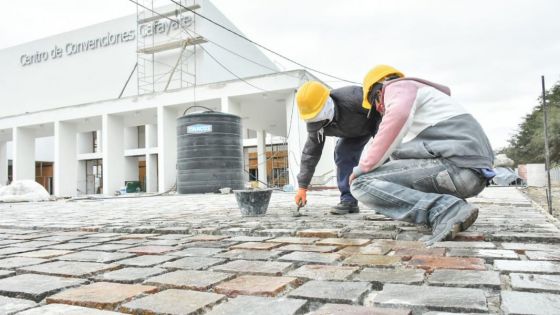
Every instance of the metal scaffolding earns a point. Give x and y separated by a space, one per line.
166 52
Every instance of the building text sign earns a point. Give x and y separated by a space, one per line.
110 39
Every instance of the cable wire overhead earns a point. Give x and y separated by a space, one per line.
263 47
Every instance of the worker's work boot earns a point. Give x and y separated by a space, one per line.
345 207
445 226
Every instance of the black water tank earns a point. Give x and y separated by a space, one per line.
209 152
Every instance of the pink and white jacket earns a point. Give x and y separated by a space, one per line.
421 121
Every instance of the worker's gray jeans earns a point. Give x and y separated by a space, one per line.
417 190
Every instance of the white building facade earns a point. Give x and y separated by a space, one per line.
65 100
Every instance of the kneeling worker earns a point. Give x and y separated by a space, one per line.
439 155
337 113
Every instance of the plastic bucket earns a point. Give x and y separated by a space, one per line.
253 202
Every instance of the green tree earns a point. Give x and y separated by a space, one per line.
527 145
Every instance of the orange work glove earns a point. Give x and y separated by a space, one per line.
301 197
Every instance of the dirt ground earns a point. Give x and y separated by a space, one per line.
538 194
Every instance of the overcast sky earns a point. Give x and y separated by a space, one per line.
491 53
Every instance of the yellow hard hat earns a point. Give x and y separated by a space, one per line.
311 97
377 74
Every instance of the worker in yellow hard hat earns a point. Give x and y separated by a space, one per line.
439 155
338 113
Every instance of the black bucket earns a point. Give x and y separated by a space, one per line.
253 202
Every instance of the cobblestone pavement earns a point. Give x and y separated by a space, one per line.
196 255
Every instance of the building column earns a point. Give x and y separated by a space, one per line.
81 178
261 157
65 160
3 163
151 159
24 154
151 173
167 148
151 136
230 106
295 138
113 153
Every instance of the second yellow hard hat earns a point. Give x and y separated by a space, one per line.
377 74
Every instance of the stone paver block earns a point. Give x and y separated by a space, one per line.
256 285
10 305
171 243
69 246
205 237
430 263
365 250
343 241
189 279
275 232
332 291
6 273
35 287
531 246
294 240
150 250
394 244
526 236
311 257
344 309
323 272
372 260
210 244
256 246
70 268
195 263
256 305
35 244
527 266
371 234
130 274
465 245
487 254
249 254
95 256
176 302
244 238
267 268
535 283
44 253
469 237
543 255
14 250
197 251
146 260
63 309
420 298
379 276
320 233
530 303
407 253
110 247
308 248
465 278
101 295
